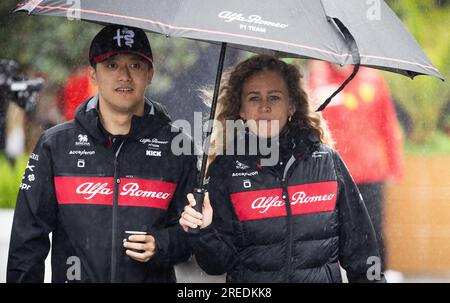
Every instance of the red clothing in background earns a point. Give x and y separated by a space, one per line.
362 121
77 88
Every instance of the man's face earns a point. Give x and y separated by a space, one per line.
122 80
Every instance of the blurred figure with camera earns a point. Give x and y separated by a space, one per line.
18 95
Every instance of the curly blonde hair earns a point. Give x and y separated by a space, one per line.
229 101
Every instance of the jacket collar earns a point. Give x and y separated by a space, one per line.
293 141
155 116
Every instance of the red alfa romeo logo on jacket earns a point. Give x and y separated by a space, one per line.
100 190
304 199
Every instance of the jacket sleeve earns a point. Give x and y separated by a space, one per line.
358 249
213 246
34 218
172 246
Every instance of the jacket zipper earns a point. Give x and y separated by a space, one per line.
285 196
287 200
114 215
289 228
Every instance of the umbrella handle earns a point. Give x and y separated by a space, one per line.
199 195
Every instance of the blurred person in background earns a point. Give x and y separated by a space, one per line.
21 90
363 123
77 88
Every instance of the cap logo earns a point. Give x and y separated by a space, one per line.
127 35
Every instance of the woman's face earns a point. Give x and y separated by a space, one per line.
265 103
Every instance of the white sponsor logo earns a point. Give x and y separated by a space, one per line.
34 157
31 178
265 203
24 186
244 174
82 152
30 167
240 165
132 189
254 19
153 143
91 189
127 35
301 197
247 184
80 163
82 140
153 153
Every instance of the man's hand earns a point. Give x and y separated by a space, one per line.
140 247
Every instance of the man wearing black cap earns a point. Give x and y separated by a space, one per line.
107 184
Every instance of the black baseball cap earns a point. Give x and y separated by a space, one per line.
115 39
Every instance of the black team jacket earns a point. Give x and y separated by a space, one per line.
88 188
294 222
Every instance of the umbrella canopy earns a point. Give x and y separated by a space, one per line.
341 32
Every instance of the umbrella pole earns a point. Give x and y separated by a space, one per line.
199 192
212 114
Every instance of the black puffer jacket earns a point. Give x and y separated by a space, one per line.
88 194
293 222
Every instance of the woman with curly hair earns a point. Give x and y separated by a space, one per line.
295 220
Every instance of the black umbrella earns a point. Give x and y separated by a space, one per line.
327 29
343 32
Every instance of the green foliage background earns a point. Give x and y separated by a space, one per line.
425 98
11 177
